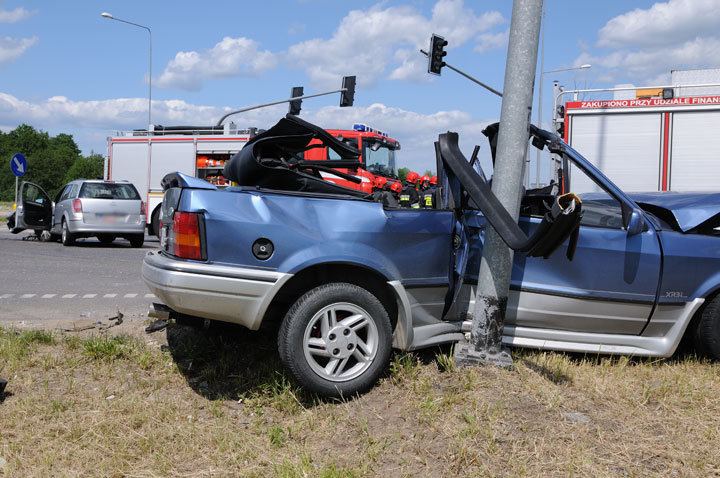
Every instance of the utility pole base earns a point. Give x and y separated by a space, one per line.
466 355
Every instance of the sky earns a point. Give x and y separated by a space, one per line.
66 69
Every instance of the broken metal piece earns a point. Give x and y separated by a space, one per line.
155 326
3 384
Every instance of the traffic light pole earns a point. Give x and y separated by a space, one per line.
474 80
346 99
491 295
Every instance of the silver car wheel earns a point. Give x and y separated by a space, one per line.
340 342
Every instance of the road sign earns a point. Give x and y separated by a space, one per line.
18 164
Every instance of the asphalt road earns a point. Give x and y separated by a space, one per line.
45 281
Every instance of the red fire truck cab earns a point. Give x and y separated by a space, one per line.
377 157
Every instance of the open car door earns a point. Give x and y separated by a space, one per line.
607 280
34 210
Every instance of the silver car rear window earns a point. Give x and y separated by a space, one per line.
108 191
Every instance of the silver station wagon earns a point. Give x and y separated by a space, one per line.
83 208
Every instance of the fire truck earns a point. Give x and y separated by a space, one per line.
144 157
377 156
653 139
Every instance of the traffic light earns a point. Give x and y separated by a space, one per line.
294 108
436 54
347 97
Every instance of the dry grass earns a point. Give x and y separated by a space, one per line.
217 403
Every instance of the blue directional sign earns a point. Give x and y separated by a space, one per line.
18 164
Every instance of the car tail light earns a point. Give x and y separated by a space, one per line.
185 238
77 205
143 208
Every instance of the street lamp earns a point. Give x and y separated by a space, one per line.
540 97
107 15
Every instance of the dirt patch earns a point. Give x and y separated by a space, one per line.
195 402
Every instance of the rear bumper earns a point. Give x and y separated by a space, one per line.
230 294
119 228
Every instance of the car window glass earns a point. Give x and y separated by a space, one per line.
32 193
600 209
108 191
67 192
62 193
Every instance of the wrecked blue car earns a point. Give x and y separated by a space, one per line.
346 279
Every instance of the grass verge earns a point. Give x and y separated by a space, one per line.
217 403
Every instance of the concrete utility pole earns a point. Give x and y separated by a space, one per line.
491 297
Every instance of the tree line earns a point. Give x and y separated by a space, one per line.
403 172
52 160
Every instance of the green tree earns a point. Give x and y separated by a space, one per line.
86 167
402 174
49 159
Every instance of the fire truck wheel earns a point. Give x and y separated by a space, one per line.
155 222
707 333
336 340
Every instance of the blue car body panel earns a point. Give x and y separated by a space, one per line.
622 292
310 230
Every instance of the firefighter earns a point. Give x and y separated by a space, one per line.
435 192
378 192
409 196
426 193
395 189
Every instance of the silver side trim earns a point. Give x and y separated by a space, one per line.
435 334
403 334
658 346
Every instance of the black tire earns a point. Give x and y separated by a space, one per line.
302 320
66 237
137 240
106 239
707 332
155 222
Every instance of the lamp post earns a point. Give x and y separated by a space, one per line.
108 15
539 118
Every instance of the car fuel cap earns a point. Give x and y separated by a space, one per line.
263 248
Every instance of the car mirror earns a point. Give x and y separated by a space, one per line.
636 223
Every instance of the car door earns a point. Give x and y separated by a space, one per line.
611 283
34 210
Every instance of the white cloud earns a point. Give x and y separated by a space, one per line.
15 15
416 131
91 121
230 57
412 66
13 48
644 66
643 45
492 41
383 37
669 23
